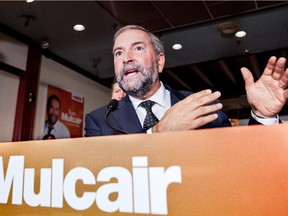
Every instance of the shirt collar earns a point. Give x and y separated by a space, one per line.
56 125
160 97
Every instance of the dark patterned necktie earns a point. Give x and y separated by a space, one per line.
150 119
49 130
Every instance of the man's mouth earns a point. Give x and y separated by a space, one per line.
130 72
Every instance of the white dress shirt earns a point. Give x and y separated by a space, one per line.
59 130
163 103
266 121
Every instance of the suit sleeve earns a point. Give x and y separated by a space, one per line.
91 127
253 121
223 119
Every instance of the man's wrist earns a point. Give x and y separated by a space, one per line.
260 115
155 129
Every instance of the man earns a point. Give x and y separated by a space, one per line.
52 125
139 59
117 92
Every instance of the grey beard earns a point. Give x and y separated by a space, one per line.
140 90
150 75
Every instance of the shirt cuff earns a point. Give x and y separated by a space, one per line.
266 121
149 131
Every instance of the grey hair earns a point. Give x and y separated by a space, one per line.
157 44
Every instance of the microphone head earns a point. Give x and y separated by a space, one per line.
113 104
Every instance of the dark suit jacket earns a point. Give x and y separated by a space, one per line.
125 117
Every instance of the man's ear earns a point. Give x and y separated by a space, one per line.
161 62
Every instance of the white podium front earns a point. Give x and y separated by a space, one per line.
239 171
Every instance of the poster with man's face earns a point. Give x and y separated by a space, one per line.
64 114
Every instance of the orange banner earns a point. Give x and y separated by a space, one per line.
239 171
70 116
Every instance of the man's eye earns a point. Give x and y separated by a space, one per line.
139 48
117 53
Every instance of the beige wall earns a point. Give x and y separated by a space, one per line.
8 96
14 53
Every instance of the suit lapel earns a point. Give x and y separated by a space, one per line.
175 96
125 116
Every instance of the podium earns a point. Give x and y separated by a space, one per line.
239 171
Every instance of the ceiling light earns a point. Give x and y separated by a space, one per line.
29 1
177 46
240 34
228 29
45 44
78 27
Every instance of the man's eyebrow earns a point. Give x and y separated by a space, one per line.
132 45
137 43
117 48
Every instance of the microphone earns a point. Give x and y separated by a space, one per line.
111 107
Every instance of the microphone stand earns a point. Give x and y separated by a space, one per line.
112 106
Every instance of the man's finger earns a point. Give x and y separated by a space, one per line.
208 109
270 66
247 76
279 68
283 82
203 120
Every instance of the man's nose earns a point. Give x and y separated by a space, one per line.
127 57
55 112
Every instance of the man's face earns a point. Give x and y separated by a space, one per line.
53 111
135 63
117 92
